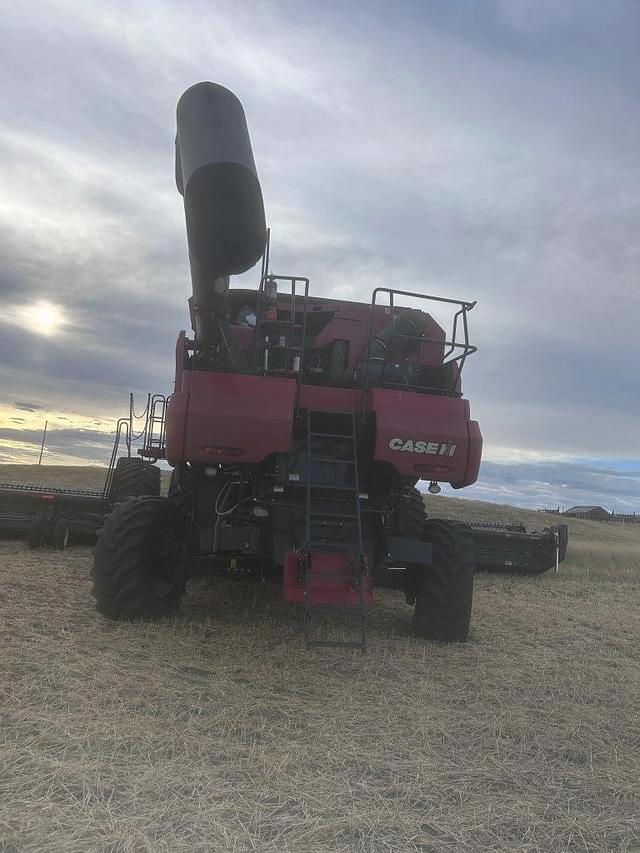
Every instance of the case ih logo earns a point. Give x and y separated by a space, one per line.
433 448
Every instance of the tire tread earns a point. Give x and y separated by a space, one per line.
443 605
120 572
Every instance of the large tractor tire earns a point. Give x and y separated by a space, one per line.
134 478
137 568
36 532
407 515
410 514
445 591
179 493
61 533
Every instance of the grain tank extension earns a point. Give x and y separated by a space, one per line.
299 425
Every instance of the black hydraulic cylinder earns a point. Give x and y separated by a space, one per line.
224 210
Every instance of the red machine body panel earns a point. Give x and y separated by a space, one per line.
424 435
225 417
329 399
331 582
245 338
351 323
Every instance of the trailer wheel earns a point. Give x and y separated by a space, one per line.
36 532
445 590
133 478
61 534
137 571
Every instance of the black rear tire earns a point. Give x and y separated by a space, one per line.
411 514
137 572
407 515
445 590
36 532
61 534
180 489
133 478
404 517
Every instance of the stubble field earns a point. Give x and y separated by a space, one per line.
218 731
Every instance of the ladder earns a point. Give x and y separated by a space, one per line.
333 522
155 426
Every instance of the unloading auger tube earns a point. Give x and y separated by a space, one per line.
216 175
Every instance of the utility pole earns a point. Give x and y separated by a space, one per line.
44 436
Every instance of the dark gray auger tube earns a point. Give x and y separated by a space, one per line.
224 211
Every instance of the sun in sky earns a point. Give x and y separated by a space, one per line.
44 317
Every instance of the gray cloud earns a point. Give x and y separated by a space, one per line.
556 484
58 437
26 407
79 445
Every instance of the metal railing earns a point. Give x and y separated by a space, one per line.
151 436
289 329
455 353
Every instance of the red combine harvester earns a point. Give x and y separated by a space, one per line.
298 427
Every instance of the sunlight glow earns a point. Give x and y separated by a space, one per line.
44 318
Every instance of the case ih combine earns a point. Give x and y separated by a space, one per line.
298 426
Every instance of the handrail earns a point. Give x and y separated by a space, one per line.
125 432
453 345
293 281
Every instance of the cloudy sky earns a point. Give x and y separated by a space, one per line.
483 150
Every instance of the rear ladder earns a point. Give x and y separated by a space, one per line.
347 537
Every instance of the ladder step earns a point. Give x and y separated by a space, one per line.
327 584
342 414
349 435
339 515
316 485
332 459
336 576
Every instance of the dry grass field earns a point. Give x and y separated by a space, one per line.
217 731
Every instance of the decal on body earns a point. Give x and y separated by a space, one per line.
433 448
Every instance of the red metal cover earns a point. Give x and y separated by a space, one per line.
331 582
224 417
427 436
330 399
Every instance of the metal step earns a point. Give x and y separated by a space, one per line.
333 524
330 576
340 515
333 460
354 545
342 435
316 485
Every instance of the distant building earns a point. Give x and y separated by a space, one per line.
593 513
626 518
